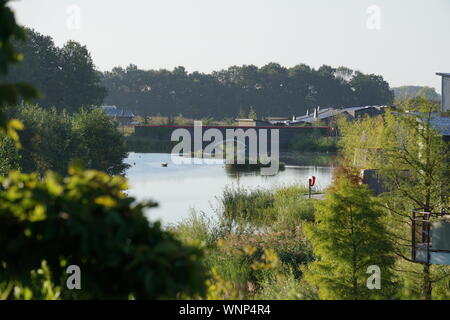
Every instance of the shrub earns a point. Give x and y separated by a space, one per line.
243 210
85 219
313 142
292 208
52 139
197 227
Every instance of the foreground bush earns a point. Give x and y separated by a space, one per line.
85 219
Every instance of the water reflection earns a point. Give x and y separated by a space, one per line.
179 187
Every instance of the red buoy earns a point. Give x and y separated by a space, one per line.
312 181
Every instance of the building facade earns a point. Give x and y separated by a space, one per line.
445 92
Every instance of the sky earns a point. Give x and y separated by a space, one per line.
405 41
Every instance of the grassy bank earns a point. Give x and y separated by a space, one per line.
254 245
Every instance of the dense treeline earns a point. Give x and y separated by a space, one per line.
67 78
271 90
52 139
408 92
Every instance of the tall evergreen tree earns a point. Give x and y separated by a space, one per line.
348 237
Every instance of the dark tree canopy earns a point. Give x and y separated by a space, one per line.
271 90
51 140
406 92
65 77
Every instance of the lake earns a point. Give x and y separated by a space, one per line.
178 188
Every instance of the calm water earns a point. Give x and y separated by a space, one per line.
181 187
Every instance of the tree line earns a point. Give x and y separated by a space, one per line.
67 79
51 140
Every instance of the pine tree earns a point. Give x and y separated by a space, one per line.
348 237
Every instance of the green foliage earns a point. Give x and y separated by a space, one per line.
291 248
252 114
413 160
66 77
348 237
220 289
414 165
198 227
292 208
370 89
52 139
9 155
360 141
239 271
11 93
41 286
260 220
313 142
9 31
418 104
285 286
272 90
244 208
407 92
101 146
85 219
283 209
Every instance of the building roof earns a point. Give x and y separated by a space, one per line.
276 118
362 108
443 74
331 112
440 123
321 115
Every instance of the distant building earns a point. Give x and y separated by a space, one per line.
329 115
441 124
121 115
445 91
437 121
252 123
277 121
358 112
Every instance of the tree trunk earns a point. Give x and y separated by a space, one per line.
426 286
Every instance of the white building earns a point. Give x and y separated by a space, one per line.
445 92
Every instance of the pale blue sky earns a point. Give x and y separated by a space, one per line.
409 48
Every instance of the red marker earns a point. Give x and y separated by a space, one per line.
312 181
